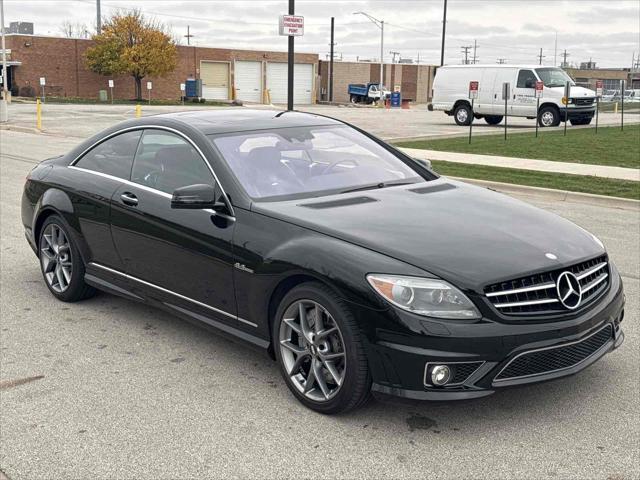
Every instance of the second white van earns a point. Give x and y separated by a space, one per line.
451 94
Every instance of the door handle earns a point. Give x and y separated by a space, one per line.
129 198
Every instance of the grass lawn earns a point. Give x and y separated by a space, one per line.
581 145
559 181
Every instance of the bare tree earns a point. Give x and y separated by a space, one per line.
75 30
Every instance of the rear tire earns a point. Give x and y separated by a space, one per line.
60 262
549 117
354 99
463 114
493 119
301 350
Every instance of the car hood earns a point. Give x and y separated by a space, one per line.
469 235
576 92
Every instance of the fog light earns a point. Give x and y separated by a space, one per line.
440 375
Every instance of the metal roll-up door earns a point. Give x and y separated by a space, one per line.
277 75
215 80
248 81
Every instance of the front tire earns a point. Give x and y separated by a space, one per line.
60 262
320 351
549 117
463 114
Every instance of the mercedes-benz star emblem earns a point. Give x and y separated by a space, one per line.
569 290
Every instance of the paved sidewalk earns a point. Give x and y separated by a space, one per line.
619 173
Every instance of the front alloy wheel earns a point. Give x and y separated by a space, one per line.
320 349
312 350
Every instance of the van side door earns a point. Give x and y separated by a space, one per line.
524 94
503 74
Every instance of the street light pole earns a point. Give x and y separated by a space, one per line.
4 114
290 66
380 25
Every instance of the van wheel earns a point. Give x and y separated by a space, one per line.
549 117
463 114
493 119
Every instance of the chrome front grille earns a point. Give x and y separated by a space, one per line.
583 101
538 294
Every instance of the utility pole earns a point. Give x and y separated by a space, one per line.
188 36
4 113
475 48
98 18
380 25
555 51
564 56
465 50
292 11
502 61
444 30
540 57
394 56
331 61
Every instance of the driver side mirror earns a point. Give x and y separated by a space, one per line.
423 162
194 197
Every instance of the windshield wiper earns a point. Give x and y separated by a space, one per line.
375 186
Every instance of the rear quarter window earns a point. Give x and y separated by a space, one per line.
113 156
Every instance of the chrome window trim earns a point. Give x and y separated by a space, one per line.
171 292
496 380
126 182
154 127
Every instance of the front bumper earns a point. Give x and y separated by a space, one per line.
399 363
578 113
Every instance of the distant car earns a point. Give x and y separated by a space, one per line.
451 94
354 266
609 95
632 96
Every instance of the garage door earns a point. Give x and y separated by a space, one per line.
248 79
303 82
215 80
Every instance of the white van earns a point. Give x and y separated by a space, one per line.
451 94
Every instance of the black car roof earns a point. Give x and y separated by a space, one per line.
225 120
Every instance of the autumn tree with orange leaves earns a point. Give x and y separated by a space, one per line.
130 44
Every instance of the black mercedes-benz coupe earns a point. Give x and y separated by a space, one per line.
355 267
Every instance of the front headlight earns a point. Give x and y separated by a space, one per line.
424 296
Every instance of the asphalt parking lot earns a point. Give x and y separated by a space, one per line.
84 120
115 389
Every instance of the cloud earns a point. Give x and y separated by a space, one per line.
606 31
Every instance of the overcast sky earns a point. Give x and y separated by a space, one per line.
606 30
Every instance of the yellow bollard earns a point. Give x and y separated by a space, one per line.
38 114
138 111
615 108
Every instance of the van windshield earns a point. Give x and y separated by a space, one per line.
554 77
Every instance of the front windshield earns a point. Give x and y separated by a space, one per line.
303 161
554 77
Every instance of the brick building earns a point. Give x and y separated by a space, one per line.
225 73
610 77
415 81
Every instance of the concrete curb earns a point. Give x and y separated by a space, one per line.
556 195
18 128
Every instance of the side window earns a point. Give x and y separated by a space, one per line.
166 161
113 156
526 79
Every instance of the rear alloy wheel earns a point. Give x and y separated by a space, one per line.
60 261
493 119
319 350
463 114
